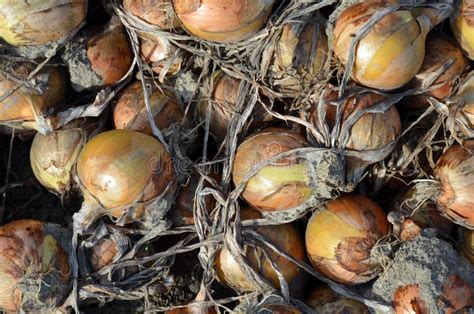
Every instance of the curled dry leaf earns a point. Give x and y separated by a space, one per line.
407 300
463 104
457 295
462 25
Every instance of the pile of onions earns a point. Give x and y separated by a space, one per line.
130 111
462 25
156 12
467 244
286 236
341 235
455 173
27 23
391 53
224 21
324 300
121 168
280 185
157 51
34 267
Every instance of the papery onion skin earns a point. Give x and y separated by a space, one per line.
281 185
130 111
34 268
285 236
462 25
391 53
464 102
407 299
467 244
325 301
156 12
192 310
340 237
455 173
38 22
223 21
121 167
103 254
456 295
157 51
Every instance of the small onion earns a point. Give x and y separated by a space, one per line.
455 173
285 236
130 111
340 237
281 185
325 301
462 25
156 12
407 299
38 22
34 269
391 53
158 51
103 253
224 21
467 244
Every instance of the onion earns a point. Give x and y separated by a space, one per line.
156 12
193 310
428 216
456 295
38 22
34 269
285 236
391 53
278 309
224 21
407 299
462 25
455 173
130 111
103 254
467 244
324 300
280 185
341 235
158 51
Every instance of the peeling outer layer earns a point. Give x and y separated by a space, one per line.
459 110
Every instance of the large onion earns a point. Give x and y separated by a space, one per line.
341 235
462 25
130 111
223 21
391 53
38 22
325 301
467 244
286 236
34 269
156 12
281 185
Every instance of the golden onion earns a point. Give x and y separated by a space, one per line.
467 244
462 25
280 185
130 111
286 236
391 53
224 21
35 276
325 301
157 52
38 22
156 12
340 237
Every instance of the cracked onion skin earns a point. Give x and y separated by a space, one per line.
156 12
223 21
35 275
455 173
391 53
340 236
325 301
281 185
462 25
38 22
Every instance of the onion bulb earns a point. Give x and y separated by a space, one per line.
224 21
280 185
455 173
120 168
103 253
34 267
130 111
467 244
407 299
157 51
286 236
156 12
462 25
341 235
391 53
38 22
325 301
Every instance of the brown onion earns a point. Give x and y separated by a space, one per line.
455 173
462 25
223 21
456 295
34 269
391 53
285 236
407 299
325 301
130 111
156 12
38 22
467 244
281 185
341 235
157 51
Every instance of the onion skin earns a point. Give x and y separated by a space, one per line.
464 101
38 22
467 244
193 310
121 167
455 173
103 254
407 299
156 12
156 51
391 53
325 301
462 25
281 185
223 21
456 295
130 111
279 309
340 237
29 255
